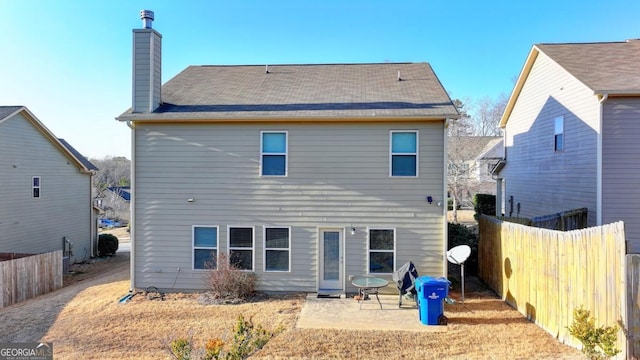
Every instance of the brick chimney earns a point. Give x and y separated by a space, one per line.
147 63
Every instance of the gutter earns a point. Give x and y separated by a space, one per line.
132 220
603 98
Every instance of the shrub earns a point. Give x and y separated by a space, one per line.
484 204
584 329
247 339
227 282
181 349
461 235
107 244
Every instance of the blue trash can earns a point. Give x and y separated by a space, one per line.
431 294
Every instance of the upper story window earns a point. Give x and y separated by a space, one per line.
35 187
558 133
404 153
273 153
205 247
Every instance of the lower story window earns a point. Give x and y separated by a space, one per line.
241 247
277 249
205 247
381 251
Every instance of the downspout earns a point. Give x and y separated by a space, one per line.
603 98
132 217
444 202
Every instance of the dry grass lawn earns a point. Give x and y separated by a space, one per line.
85 321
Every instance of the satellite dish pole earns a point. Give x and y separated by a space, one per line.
458 255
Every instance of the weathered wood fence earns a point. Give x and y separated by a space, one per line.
546 274
26 277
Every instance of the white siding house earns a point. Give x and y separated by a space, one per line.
304 174
46 190
571 129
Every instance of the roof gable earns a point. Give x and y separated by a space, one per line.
303 91
468 148
81 162
606 68
610 67
7 111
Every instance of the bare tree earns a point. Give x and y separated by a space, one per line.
486 114
465 143
114 172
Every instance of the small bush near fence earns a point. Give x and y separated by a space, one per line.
484 204
107 244
461 235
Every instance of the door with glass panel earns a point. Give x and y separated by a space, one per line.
331 260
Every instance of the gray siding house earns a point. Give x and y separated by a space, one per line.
572 126
46 190
303 174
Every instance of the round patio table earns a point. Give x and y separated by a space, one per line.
368 285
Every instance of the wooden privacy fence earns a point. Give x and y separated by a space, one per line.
546 274
24 278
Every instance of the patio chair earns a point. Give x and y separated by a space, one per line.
405 278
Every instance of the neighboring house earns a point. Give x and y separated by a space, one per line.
116 203
46 190
306 174
470 159
572 130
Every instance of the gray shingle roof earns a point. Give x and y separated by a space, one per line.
610 67
301 91
88 164
8 110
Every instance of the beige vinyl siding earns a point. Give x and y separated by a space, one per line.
621 167
29 225
542 180
338 177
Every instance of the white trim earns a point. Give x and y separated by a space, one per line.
253 244
264 248
39 187
416 154
599 207
193 245
286 151
557 132
369 251
445 201
342 263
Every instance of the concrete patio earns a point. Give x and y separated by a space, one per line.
345 313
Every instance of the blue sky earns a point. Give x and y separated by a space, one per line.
69 61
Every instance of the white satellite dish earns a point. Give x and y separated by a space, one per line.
458 255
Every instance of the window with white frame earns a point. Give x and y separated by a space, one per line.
35 187
273 153
404 153
558 133
241 247
381 251
277 249
205 247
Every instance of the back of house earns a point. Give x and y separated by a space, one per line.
304 174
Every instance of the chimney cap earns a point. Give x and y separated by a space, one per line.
147 17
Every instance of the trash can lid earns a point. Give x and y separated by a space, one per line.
433 280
